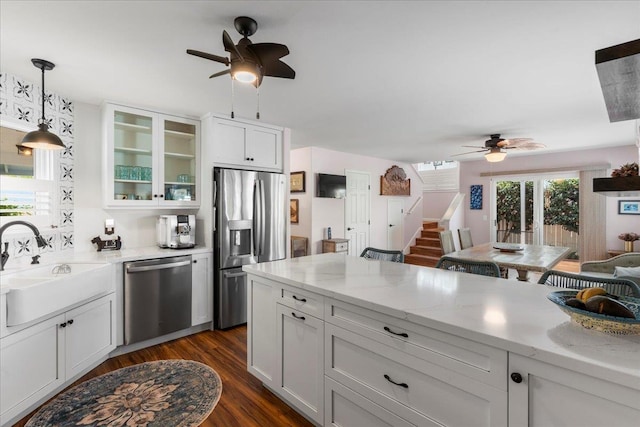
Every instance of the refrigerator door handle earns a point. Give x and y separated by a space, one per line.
263 234
215 194
257 222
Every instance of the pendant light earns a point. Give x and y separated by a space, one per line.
42 138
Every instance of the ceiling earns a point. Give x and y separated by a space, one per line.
407 81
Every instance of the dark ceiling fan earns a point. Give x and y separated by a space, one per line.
250 62
494 147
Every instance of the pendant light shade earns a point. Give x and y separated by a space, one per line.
42 138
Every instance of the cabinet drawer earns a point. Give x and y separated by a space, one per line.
378 371
304 301
342 247
344 407
475 360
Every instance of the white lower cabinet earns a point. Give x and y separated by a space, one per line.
202 291
261 328
397 380
542 395
39 360
300 373
344 407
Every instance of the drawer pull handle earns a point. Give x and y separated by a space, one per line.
296 316
299 299
388 378
401 334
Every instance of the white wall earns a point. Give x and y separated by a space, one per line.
330 212
478 220
434 205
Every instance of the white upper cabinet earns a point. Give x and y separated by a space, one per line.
247 145
150 159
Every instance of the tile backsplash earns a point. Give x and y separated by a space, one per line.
20 99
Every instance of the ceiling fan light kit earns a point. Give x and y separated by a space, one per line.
495 155
42 138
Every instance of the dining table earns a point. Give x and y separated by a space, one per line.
521 257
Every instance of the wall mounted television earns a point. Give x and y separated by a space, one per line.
331 186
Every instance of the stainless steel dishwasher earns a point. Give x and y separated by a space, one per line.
157 297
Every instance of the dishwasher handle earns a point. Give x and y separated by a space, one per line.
232 275
133 269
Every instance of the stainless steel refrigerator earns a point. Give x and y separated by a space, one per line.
250 219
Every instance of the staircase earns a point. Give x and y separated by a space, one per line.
427 250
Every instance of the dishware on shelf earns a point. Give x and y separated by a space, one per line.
600 322
147 174
183 177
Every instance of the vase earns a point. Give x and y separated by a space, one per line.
628 246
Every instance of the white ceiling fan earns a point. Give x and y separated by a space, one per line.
495 147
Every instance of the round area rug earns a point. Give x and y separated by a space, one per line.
176 393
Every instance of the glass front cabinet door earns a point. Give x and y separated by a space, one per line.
151 159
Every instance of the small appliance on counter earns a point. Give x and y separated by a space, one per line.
176 231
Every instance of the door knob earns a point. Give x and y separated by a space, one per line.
390 225
349 228
516 377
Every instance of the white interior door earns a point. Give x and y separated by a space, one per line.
357 215
395 224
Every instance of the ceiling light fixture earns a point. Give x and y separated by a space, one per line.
495 155
42 138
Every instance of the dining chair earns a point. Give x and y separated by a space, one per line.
483 268
383 255
464 234
446 242
615 286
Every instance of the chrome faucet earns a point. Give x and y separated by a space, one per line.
39 239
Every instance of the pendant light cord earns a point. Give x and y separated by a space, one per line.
43 120
232 96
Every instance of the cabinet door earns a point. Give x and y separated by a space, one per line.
130 157
261 328
229 141
90 334
202 293
546 395
31 366
264 147
179 167
300 367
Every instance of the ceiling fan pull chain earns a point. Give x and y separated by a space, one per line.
258 107
232 96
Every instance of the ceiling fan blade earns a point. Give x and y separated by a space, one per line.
229 46
514 142
474 146
221 73
278 69
530 146
267 52
209 56
468 152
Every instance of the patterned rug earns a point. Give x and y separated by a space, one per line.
176 393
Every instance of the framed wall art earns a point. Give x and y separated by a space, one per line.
629 207
475 197
297 182
293 208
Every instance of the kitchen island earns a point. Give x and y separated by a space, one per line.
366 342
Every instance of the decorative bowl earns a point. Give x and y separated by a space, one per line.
600 322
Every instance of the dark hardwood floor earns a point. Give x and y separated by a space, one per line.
244 401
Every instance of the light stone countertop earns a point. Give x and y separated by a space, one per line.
103 257
513 316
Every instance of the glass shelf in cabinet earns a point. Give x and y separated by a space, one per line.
133 127
132 150
179 155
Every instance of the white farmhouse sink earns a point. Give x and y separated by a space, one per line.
34 293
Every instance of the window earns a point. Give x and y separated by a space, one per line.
27 184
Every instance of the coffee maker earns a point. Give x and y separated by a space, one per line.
176 231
